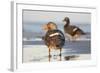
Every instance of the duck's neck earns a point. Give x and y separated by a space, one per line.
67 23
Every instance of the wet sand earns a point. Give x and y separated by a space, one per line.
37 51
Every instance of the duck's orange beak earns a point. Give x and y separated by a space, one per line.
44 27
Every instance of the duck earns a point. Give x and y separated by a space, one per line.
73 32
54 38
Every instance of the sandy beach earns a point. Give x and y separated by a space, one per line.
37 51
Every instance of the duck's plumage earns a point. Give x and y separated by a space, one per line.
54 38
72 30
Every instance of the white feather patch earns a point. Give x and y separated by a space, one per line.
75 29
54 34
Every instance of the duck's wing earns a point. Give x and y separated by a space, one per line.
77 30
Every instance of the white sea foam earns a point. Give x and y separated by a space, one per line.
32 39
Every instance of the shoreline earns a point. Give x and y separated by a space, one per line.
40 54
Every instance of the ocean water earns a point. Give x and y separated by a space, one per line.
76 47
34 30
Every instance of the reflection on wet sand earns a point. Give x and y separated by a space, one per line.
62 58
55 57
70 57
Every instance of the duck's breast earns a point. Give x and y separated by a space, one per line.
54 38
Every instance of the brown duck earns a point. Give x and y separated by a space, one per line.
54 38
73 32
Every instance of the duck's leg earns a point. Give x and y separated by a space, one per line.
49 54
60 54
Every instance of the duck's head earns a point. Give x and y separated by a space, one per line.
49 26
66 20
